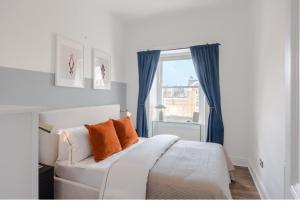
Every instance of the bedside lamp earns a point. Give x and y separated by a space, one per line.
49 128
65 136
161 108
46 127
125 113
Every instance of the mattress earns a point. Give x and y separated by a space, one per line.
88 171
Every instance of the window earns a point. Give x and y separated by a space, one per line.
177 87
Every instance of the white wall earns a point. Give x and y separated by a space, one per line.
27 31
19 172
227 24
254 62
271 68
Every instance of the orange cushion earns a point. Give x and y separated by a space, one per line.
104 140
126 132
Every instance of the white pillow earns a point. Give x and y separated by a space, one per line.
79 138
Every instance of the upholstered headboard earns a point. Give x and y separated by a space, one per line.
67 118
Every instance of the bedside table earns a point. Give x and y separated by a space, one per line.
46 182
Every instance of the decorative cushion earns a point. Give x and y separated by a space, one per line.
104 140
126 132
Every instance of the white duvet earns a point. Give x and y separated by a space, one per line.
127 177
190 170
164 167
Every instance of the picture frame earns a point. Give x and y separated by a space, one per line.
69 63
101 69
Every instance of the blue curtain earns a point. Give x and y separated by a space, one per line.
206 63
147 64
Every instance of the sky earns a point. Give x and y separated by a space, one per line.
177 73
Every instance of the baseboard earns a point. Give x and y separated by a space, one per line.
258 183
244 162
295 191
239 161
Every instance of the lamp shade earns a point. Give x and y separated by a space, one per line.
160 106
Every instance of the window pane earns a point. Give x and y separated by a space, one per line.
181 102
180 89
178 73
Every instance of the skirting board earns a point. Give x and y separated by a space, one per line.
239 161
244 162
295 191
258 183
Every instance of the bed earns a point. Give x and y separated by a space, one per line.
161 167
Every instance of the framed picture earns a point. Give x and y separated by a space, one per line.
101 70
69 63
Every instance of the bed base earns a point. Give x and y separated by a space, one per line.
66 189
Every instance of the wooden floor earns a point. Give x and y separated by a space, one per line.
243 187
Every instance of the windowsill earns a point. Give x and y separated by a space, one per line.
295 190
184 130
177 122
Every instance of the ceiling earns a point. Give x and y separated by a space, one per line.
134 9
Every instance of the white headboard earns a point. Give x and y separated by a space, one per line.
67 118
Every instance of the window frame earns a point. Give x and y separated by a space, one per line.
176 57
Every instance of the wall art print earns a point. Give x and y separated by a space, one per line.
69 63
101 70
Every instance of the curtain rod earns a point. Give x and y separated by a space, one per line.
174 49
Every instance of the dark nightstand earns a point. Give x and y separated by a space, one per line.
46 182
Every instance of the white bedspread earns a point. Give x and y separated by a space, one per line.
161 167
127 177
164 167
190 170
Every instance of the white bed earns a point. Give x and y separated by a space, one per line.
87 171
154 168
